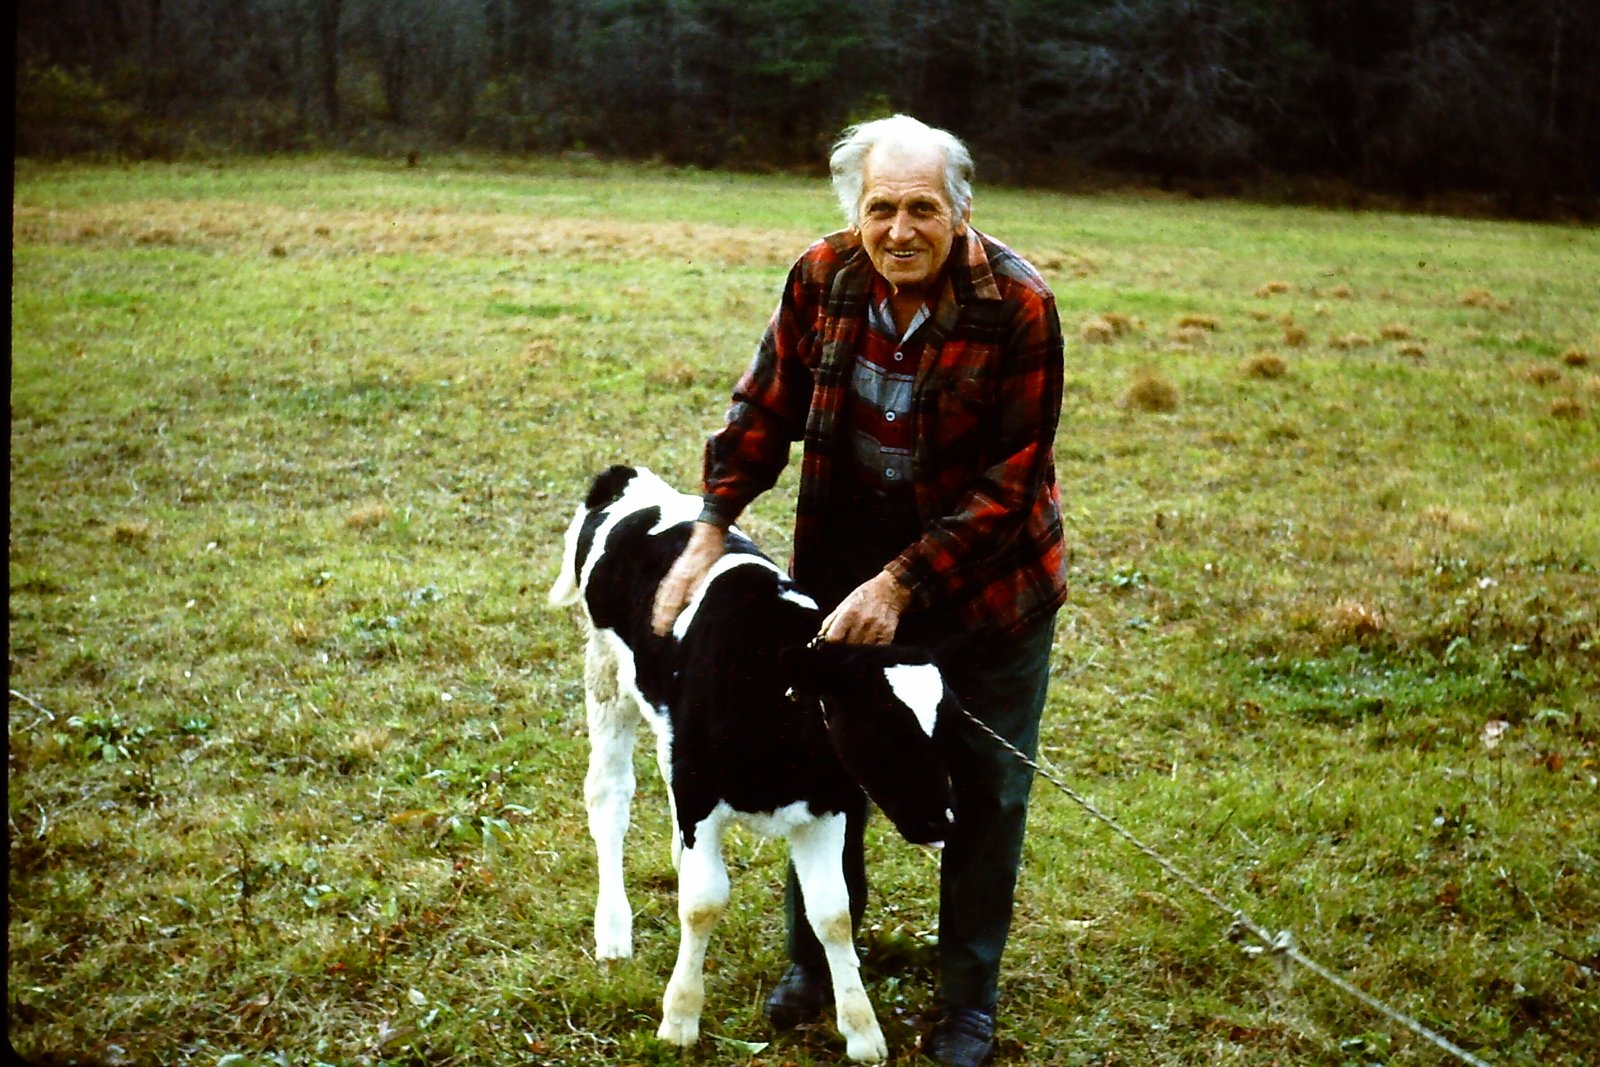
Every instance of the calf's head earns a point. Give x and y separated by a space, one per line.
882 705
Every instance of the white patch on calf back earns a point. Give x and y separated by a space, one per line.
794 596
920 687
722 566
680 509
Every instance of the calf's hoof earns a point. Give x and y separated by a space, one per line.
607 950
867 1048
680 1032
613 930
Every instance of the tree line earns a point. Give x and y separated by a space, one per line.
1411 96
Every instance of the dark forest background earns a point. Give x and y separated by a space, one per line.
1497 99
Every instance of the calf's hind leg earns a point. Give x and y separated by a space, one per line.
608 793
817 851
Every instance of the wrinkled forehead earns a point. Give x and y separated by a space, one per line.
902 171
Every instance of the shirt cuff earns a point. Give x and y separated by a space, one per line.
717 512
908 578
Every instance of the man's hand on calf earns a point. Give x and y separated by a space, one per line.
705 547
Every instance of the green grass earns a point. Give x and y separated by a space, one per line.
297 777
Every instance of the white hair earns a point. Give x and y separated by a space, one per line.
898 133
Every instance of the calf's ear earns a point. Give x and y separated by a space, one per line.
608 485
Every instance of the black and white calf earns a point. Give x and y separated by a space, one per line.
732 740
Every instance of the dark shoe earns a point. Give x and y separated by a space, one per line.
963 1037
798 998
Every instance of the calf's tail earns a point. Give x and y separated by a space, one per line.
565 592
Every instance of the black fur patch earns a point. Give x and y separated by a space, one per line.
608 486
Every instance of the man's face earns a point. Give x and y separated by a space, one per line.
907 222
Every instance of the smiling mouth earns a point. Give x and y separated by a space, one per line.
911 253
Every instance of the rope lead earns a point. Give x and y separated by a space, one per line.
1281 946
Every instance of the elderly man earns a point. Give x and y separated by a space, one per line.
920 362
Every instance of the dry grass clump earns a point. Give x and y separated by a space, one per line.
1295 336
130 532
1097 331
1190 335
305 632
364 744
1575 357
1395 331
1079 266
1273 288
539 351
1352 620
1413 350
1259 314
1152 392
1200 322
673 375
367 516
1483 298
1350 340
1447 519
1107 327
1268 365
1341 292
1567 408
1539 373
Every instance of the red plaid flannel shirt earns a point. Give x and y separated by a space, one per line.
985 406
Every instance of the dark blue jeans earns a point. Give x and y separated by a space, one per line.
1001 680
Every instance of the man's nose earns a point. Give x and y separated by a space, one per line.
901 228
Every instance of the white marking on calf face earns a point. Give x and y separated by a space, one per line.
718 569
920 687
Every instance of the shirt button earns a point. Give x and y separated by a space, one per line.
891 474
899 356
888 416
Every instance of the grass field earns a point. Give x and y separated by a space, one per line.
295 748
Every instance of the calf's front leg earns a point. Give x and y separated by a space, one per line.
817 851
